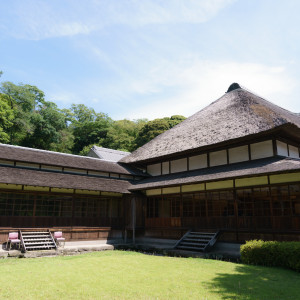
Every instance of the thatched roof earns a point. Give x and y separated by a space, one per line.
25 154
238 113
57 180
249 168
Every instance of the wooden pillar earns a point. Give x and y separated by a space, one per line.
236 213
133 212
73 209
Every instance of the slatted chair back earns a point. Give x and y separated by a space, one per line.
13 235
57 234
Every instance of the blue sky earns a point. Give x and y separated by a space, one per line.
152 58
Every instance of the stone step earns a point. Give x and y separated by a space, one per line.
201 233
193 244
196 239
190 248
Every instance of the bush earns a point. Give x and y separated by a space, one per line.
279 254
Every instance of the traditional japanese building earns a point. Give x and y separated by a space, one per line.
233 167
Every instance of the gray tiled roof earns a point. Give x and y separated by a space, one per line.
107 154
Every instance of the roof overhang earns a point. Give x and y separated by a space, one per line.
288 131
239 170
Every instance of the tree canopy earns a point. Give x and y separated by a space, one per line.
27 119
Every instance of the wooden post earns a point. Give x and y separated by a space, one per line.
133 207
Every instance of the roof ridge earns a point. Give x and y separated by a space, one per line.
110 150
53 152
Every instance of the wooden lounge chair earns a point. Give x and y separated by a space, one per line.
13 239
59 238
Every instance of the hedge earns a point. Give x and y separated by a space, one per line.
271 253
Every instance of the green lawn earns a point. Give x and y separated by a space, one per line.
130 275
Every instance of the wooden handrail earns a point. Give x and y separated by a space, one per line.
21 238
186 234
52 238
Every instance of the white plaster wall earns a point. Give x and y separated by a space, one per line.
77 171
293 151
198 162
238 154
52 168
261 150
98 173
179 165
218 158
154 170
114 175
126 176
6 162
282 148
27 165
165 167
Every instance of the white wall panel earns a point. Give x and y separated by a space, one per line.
218 158
51 168
293 151
261 150
238 154
165 167
179 165
198 162
282 148
27 165
154 170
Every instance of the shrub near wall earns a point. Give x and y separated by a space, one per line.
279 254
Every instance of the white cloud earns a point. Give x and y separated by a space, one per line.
199 83
37 19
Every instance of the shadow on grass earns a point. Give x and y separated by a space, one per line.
255 282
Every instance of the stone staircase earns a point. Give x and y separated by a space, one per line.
41 240
197 241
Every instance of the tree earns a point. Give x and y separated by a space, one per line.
122 134
66 142
24 100
153 128
6 118
88 127
150 130
47 123
174 120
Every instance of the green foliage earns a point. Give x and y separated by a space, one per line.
122 134
66 142
6 118
88 127
46 123
154 128
24 99
272 253
27 119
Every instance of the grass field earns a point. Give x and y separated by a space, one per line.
130 275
